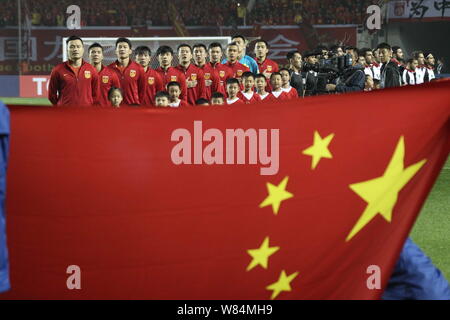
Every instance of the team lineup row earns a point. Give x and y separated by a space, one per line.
204 76
135 83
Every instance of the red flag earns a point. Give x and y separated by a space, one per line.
109 192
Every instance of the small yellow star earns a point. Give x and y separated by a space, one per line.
319 149
381 193
283 284
261 256
277 194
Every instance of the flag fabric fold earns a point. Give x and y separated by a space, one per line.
306 199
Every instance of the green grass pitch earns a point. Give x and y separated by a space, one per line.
432 229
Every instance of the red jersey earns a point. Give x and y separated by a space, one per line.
212 80
107 79
223 71
291 92
194 75
235 101
131 81
249 97
237 69
153 84
181 103
173 74
77 87
277 96
268 66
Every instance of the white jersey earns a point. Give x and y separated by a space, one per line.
409 77
374 71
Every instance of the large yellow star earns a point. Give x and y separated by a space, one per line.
277 194
381 193
283 284
319 149
261 256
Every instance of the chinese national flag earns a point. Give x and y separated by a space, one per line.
99 189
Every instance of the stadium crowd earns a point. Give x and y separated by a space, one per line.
217 75
209 13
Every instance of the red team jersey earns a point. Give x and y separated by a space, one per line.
249 97
291 92
66 87
107 79
235 101
276 96
153 84
194 73
212 80
131 81
237 69
267 65
223 71
173 74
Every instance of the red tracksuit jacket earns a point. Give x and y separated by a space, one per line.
107 79
194 73
65 87
224 73
153 84
173 74
212 81
132 81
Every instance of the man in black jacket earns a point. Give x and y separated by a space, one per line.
295 69
390 74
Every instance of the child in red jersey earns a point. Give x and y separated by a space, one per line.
162 99
217 99
260 85
248 95
232 91
277 91
174 90
286 84
115 96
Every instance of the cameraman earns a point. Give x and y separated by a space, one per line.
353 78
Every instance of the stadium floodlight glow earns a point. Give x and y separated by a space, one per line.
153 43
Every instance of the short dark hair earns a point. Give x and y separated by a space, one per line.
410 60
164 50
142 50
416 54
275 74
384 45
260 75
112 89
72 38
199 45
291 54
248 74
126 40
161 94
201 101
232 81
284 69
355 49
184 45
395 48
335 47
95 45
263 41
362 51
217 95
321 47
215 45
239 36
232 44
173 84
